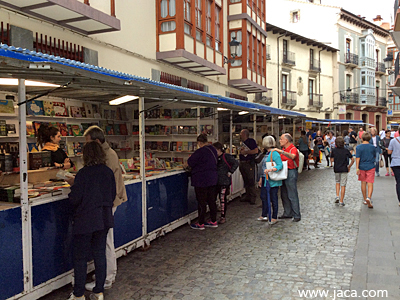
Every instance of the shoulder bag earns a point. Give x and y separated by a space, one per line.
278 175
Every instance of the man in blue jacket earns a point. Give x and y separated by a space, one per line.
375 140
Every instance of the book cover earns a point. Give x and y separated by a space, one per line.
123 129
116 129
48 108
35 108
106 114
113 113
193 113
109 129
175 113
174 129
88 109
135 129
167 113
124 144
180 129
178 146
193 130
185 146
60 110
30 131
70 149
186 129
96 111
32 147
77 148
11 129
165 146
83 112
167 130
76 112
36 126
85 126
7 107
76 129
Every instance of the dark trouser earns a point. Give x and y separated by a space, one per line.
396 171
289 195
84 245
223 191
388 159
327 159
247 169
305 153
377 155
269 195
204 196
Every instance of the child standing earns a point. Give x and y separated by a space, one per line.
316 155
226 166
91 198
340 155
327 152
365 163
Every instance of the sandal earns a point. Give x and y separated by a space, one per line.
365 202
369 203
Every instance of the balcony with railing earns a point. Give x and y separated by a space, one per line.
368 100
315 65
352 98
268 56
289 58
380 68
315 100
264 98
367 62
381 101
75 15
351 59
396 87
289 98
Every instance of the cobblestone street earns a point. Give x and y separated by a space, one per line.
248 259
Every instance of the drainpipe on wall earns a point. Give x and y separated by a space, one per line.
319 78
279 97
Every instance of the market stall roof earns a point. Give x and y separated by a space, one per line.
338 122
245 105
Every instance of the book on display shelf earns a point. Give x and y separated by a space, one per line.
116 129
123 129
88 109
35 108
96 111
7 107
60 110
76 111
48 108
30 131
11 129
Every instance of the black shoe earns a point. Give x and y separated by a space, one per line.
284 217
296 219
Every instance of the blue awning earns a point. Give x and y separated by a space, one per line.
259 107
338 122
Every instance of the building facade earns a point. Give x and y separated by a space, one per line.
361 92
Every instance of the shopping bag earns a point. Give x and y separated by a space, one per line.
381 163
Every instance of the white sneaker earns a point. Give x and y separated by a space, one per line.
98 296
73 297
90 286
94 278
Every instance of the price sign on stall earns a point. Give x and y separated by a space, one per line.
308 125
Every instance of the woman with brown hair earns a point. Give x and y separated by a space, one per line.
48 138
91 198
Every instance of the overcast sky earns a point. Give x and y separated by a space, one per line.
366 8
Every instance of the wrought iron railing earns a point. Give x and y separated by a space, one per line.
289 98
351 58
265 97
315 100
58 47
381 101
5 33
396 66
349 98
289 58
315 65
380 67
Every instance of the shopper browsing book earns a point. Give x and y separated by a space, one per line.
48 138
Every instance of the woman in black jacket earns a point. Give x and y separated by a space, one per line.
48 138
226 166
91 198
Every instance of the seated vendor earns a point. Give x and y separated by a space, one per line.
48 138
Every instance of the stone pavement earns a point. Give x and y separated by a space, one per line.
331 248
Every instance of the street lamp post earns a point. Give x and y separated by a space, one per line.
234 44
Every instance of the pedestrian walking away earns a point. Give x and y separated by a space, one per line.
269 188
95 133
365 163
353 140
384 144
91 198
226 166
203 163
376 141
289 194
394 150
340 157
247 164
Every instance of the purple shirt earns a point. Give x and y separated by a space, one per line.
204 166
251 144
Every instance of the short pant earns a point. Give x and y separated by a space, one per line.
341 178
367 176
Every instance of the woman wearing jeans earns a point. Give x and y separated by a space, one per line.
91 198
394 150
269 188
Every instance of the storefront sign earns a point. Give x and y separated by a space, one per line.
308 125
342 109
390 112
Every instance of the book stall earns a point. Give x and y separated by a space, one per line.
153 135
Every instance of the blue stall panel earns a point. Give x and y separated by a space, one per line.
51 240
11 266
128 217
168 199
